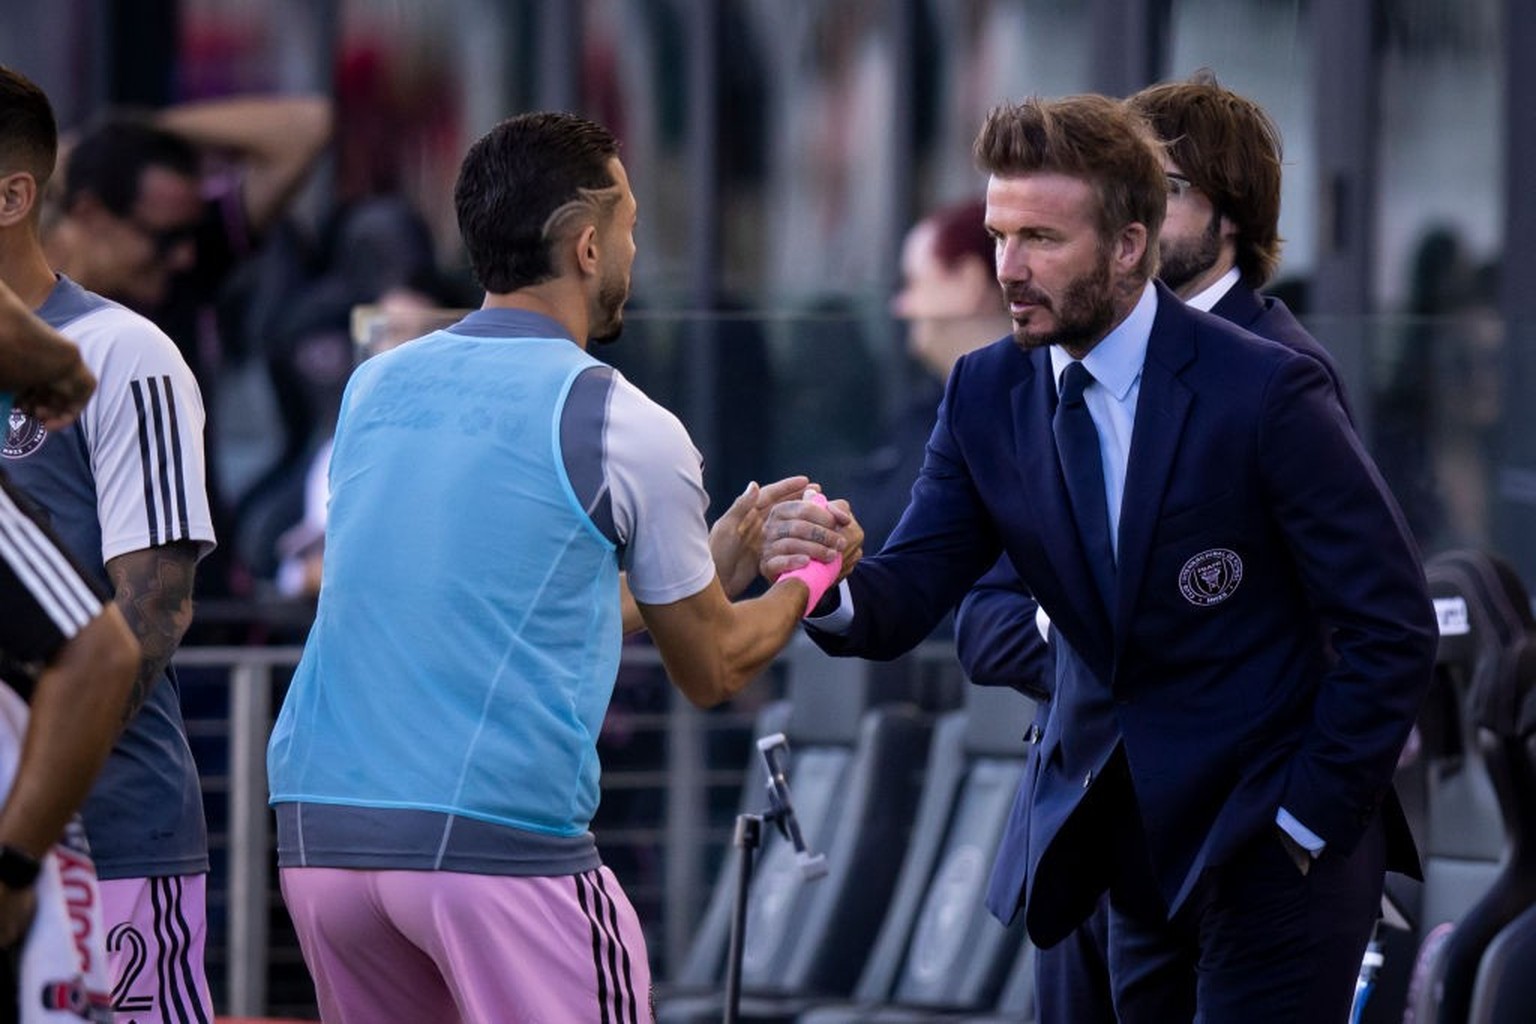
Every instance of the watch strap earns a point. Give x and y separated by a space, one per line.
18 868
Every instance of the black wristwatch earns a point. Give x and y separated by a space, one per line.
18 868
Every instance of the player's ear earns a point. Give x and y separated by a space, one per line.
1228 228
1130 246
586 249
18 195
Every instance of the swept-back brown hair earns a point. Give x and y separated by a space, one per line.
1228 148
1090 137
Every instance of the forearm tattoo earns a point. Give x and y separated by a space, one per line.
153 590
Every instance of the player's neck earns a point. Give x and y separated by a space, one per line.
23 267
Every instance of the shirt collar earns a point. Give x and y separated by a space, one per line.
1208 297
502 322
1116 360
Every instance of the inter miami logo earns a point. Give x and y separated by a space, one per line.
23 435
1210 577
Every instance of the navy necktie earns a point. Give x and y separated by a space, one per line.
1077 445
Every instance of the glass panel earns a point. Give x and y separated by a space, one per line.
1262 49
1442 151
988 52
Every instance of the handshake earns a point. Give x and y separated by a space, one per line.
786 530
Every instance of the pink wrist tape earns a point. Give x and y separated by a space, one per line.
817 576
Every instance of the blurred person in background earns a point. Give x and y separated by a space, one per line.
950 304
158 210
1219 243
123 487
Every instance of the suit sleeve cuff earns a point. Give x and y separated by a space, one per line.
1311 841
836 621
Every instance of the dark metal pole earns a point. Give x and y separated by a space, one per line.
704 226
747 838
1129 44
559 29
902 27
1346 80
1515 496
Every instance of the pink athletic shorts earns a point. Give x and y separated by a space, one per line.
443 946
156 931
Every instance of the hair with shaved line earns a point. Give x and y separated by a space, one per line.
526 183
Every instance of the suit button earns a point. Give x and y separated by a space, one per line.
1088 780
1033 736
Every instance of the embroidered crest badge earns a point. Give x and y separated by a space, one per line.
23 435
1210 577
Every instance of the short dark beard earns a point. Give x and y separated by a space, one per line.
610 299
1086 313
1182 261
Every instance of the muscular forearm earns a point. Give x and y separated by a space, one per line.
75 712
153 590
712 648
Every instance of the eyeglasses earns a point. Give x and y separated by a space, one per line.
1179 186
166 240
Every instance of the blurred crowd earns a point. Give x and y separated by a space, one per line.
188 214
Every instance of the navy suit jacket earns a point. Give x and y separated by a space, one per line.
996 639
1271 636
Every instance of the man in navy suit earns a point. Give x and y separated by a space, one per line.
1219 244
1243 634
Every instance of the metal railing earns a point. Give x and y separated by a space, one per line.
704 755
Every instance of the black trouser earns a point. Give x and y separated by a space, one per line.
1257 942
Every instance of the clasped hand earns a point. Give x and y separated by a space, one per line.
799 530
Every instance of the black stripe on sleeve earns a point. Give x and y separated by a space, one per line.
155 404
183 524
144 463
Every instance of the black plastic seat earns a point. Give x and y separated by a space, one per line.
939 952
1505 988
1479 875
854 775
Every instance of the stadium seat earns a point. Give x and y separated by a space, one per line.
1505 987
855 767
939 952
1480 800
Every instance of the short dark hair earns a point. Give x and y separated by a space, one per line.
960 233
1228 148
517 184
29 135
112 155
1091 137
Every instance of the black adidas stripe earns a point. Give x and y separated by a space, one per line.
597 948
182 522
603 954
172 967
165 484
144 463
613 921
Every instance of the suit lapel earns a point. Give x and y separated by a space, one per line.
1161 411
